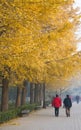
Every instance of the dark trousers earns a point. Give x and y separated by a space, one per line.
56 111
67 111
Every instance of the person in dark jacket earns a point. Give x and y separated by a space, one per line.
56 103
67 104
77 99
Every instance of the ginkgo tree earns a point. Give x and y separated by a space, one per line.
33 33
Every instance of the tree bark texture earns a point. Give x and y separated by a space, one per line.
32 86
24 92
18 98
4 100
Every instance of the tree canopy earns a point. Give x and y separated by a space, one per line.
34 36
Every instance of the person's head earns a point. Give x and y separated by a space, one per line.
67 96
56 95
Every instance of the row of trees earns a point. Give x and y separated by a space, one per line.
36 36
37 95
32 93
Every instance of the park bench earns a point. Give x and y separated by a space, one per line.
24 113
38 107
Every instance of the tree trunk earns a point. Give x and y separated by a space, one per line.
41 94
31 93
4 100
24 92
44 106
38 98
18 98
36 94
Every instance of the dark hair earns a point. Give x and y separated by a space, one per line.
56 95
67 96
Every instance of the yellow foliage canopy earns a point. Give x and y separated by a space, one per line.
34 32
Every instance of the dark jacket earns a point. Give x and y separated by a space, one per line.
56 102
67 102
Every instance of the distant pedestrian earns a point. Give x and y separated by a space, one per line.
77 99
56 103
67 104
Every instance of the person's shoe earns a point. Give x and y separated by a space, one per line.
56 115
67 115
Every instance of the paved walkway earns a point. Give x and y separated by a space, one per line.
45 120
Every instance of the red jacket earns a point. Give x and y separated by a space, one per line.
56 102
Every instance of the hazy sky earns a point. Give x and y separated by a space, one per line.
78 3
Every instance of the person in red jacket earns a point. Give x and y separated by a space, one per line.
56 103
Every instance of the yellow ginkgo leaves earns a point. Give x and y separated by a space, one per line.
33 32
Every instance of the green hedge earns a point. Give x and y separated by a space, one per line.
10 114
